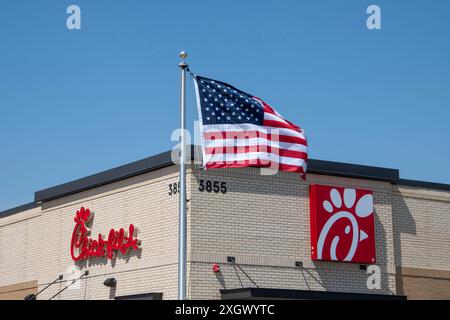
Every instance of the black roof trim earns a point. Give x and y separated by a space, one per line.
423 184
268 293
18 209
119 173
164 159
352 170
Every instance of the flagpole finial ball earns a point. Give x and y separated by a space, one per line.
183 55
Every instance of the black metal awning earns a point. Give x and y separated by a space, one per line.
290 294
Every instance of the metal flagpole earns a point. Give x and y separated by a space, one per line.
182 246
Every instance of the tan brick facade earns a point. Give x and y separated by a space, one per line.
43 242
422 237
18 291
263 221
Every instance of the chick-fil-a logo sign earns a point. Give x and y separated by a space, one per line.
83 247
342 224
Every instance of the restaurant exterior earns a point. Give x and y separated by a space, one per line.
346 232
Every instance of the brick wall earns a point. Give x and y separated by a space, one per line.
19 247
263 221
18 291
422 242
43 242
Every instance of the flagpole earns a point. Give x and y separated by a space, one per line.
182 245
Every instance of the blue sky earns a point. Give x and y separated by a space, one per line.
76 102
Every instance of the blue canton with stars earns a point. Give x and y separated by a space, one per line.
222 103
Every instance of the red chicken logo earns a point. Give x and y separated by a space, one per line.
342 224
82 215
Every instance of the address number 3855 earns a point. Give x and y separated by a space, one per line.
203 185
212 186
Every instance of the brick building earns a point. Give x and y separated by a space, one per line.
257 228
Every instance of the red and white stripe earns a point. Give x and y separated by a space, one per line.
277 144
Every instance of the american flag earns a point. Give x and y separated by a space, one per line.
241 130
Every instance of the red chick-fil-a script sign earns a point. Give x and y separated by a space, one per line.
83 247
